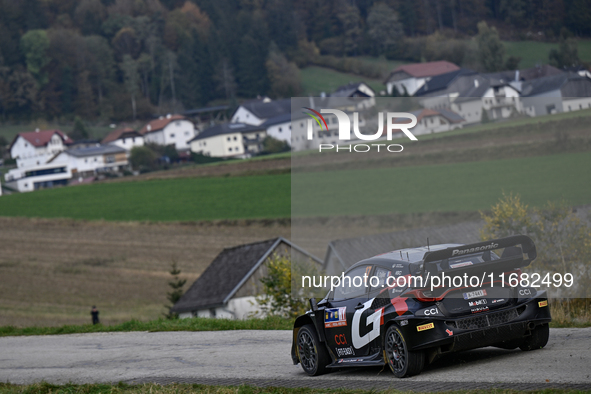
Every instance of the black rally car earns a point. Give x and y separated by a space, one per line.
406 326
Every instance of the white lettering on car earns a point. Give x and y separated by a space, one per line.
374 318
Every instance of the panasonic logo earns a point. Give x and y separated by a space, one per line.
459 252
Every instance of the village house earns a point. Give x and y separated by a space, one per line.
169 130
38 177
563 92
92 161
229 140
409 78
431 121
36 147
126 138
229 286
256 112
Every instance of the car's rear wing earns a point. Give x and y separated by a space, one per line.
517 251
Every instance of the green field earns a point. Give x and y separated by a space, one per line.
186 199
317 79
442 188
534 52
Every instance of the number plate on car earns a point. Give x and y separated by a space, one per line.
474 294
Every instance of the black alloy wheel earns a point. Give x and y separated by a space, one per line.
312 354
401 361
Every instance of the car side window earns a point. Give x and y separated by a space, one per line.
379 280
353 284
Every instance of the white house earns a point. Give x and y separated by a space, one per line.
556 93
35 148
38 177
169 129
229 140
126 138
229 286
435 121
411 77
256 112
87 162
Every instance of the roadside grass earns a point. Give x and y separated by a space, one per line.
176 388
193 324
186 199
575 313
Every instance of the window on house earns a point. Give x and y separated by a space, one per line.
230 149
172 135
301 124
280 130
86 160
229 139
178 123
290 127
204 143
95 159
132 139
235 139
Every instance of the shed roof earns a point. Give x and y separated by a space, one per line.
442 81
95 150
224 276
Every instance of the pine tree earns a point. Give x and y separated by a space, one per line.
176 284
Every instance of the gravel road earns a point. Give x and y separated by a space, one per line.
231 357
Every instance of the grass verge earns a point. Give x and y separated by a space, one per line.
153 388
194 324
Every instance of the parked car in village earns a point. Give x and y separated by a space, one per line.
390 319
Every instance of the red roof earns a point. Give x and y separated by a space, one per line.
430 69
41 138
160 123
117 134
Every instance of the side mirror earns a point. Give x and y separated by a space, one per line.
313 304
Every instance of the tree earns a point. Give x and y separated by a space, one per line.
385 29
35 45
143 158
567 54
131 78
176 284
283 75
563 241
273 145
79 132
491 50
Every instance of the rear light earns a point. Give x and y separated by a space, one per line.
421 295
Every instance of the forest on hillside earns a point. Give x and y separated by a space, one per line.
128 59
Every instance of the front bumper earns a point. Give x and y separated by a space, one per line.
479 330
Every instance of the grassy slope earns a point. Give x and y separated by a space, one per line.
533 52
320 79
449 187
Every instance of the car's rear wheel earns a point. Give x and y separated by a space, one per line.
538 338
402 362
312 354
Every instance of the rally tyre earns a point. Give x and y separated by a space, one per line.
312 354
402 362
538 338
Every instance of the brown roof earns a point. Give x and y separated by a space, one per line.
41 138
121 133
430 69
160 123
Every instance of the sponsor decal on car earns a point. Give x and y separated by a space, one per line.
474 294
373 320
335 317
403 322
349 360
458 265
459 252
542 304
340 339
345 351
499 300
477 302
425 327
479 309
449 332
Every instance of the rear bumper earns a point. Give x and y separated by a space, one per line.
482 329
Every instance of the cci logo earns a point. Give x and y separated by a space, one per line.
395 121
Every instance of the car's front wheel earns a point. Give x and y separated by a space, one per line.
538 338
312 354
402 362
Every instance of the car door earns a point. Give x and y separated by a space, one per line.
342 315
